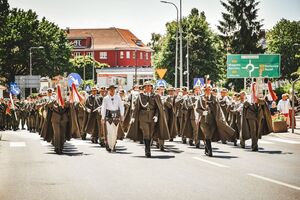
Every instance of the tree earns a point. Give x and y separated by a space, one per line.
23 30
4 11
240 29
84 65
284 39
204 53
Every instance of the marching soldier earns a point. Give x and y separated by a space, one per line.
59 119
93 124
23 114
234 116
2 114
182 115
47 129
112 113
170 109
148 108
212 121
224 103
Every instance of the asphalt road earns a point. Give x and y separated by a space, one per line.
30 170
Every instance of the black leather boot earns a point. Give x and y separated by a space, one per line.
147 148
208 148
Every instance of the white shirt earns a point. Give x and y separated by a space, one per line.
112 103
283 106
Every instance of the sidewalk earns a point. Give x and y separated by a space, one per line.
289 134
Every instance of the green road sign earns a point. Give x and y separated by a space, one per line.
253 65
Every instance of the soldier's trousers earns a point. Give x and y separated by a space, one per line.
147 129
254 134
59 134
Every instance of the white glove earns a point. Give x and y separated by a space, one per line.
132 120
88 110
204 113
155 119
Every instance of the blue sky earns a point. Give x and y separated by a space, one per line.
143 17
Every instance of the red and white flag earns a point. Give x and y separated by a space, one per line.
253 93
75 96
60 100
271 92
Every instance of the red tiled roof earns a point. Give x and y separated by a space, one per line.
109 38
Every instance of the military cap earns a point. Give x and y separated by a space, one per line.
224 90
94 88
171 89
147 83
184 89
112 86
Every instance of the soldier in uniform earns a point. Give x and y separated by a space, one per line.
14 114
23 114
212 122
189 127
234 116
8 117
31 107
183 111
170 110
148 109
2 114
60 121
112 111
93 124
47 129
224 103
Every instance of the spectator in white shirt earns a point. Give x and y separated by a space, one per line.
284 106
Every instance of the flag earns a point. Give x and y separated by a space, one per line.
13 105
75 96
271 92
60 100
253 93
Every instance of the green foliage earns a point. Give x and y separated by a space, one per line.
287 88
240 30
4 11
84 66
205 56
22 30
284 39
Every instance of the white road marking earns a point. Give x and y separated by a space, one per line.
264 142
210 162
17 144
274 181
284 140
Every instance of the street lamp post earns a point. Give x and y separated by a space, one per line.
30 62
187 64
180 32
176 53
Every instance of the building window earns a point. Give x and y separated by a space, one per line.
133 55
141 55
77 54
90 54
127 54
147 56
77 43
103 55
121 54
